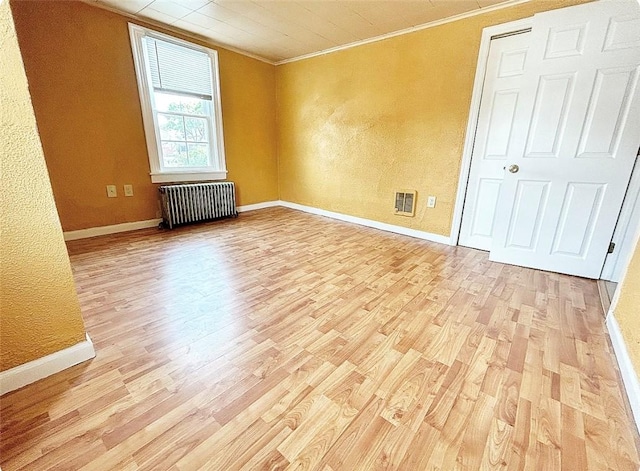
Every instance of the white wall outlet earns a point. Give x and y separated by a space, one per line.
128 190
112 192
431 202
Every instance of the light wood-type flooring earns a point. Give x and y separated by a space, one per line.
282 340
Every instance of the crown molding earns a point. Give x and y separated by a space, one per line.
149 22
209 41
431 24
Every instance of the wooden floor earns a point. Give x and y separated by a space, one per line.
282 340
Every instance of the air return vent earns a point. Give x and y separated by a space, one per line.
405 202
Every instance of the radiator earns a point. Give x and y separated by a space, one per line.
193 202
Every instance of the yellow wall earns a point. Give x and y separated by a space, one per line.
627 311
356 125
83 86
353 126
39 310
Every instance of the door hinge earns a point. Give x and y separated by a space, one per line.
612 247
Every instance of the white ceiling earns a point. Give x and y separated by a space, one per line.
278 30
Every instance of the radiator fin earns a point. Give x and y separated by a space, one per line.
194 202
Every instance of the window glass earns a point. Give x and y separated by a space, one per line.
181 107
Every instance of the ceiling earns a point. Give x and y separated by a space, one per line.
278 30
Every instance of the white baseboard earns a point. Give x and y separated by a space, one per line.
628 372
370 223
104 230
253 207
35 370
132 226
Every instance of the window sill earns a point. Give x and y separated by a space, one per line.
175 177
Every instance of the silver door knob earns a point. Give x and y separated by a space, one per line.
514 168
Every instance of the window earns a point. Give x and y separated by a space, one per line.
180 98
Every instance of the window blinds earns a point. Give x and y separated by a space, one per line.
178 69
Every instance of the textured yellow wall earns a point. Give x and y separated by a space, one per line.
83 86
355 125
627 311
39 310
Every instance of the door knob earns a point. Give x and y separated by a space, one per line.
514 168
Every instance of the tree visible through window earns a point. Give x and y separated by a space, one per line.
181 107
184 136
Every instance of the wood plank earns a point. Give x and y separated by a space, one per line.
283 340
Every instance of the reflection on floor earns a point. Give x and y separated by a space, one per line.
610 286
282 340
606 289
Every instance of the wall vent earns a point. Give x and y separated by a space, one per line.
405 202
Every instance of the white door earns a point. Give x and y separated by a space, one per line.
575 138
505 66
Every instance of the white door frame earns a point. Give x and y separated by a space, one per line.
613 266
624 234
488 33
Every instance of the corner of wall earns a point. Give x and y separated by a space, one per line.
276 93
40 310
623 323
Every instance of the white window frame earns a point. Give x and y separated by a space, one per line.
160 174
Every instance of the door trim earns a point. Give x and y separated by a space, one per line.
489 33
624 234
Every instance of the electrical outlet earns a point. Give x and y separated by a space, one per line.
112 192
128 190
431 202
